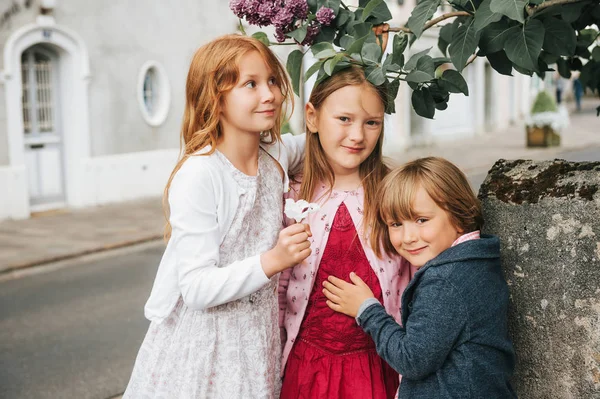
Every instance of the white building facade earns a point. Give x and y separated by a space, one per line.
92 96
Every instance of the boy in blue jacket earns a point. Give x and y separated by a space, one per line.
453 341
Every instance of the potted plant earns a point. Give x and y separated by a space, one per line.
545 122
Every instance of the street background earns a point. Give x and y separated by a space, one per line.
73 282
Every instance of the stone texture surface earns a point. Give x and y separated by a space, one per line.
547 215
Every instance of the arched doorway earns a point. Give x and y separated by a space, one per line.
46 80
42 135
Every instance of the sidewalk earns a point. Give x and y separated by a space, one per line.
65 234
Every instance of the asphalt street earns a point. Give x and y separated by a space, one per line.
74 332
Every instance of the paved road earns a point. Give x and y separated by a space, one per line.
74 332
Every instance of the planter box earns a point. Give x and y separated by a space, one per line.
543 136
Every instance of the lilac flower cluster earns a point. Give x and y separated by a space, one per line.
284 15
325 16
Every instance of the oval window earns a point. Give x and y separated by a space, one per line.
154 94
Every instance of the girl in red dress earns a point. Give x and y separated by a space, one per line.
326 354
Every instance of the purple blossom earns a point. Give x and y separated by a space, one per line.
280 35
298 7
325 16
283 18
312 32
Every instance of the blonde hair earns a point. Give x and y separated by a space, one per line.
447 186
213 72
317 169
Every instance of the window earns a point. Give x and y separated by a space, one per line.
154 95
37 101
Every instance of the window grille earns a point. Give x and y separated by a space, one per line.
37 83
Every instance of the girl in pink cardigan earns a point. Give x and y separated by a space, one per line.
326 354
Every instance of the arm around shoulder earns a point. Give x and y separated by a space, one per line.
196 238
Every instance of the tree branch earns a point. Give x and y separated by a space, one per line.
441 18
533 9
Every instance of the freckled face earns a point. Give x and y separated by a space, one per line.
425 237
349 124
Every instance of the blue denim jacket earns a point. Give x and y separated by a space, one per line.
454 343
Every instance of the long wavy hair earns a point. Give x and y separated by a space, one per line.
214 71
316 167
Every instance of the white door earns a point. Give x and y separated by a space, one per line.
43 139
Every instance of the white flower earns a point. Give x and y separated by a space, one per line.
300 209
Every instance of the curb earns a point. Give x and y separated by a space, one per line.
72 255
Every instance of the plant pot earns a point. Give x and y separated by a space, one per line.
543 136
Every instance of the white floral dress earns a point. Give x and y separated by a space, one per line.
232 350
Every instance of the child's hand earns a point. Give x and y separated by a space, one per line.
292 248
344 297
382 30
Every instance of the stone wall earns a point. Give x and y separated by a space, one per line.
547 215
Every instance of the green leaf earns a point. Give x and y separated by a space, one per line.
513 9
419 77
371 52
371 5
326 34
523 71
346 41
299 34
464 44
485 16
421 14
571 12
375 75
493 37
380 14
443 46
412 61
454 82
356 47
312 70
560 38
548 58
399 45
524 43
330 64
323 50
425 64
563 68
262 37
500 62
294 68
447 32
343 17
586 37
596 53
392 90
360 29
423 103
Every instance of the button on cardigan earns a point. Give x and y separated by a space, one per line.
203 199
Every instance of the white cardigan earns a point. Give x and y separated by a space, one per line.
203 199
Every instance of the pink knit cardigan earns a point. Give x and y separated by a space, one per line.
295 284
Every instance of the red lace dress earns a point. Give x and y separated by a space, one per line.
333 357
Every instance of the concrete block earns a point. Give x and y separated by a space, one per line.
547 215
